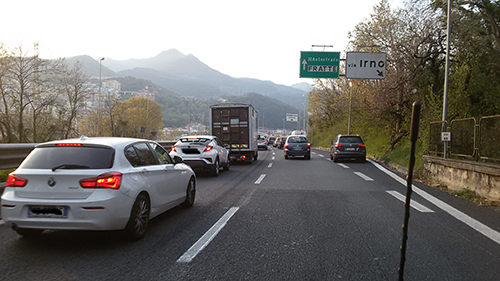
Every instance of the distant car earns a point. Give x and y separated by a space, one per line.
297 146
276 141
348 147
271 140
202 153
281 144
95 184
262 143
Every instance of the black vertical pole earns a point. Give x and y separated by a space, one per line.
415 118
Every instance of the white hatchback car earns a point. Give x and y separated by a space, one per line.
202 153
95 184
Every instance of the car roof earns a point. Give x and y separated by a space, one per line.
106 141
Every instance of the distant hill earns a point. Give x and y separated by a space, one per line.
187 76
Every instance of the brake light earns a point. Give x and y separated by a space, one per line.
243 157
339 145
69 144
308 145
362 145
286 146
208 148
173 148
111 180
13 181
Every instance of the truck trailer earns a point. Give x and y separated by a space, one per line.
235 124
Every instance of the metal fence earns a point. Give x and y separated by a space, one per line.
471 138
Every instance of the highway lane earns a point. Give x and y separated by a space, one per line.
287 219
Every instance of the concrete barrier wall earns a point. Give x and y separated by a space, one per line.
482 178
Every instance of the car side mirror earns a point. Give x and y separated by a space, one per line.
178 160
331 142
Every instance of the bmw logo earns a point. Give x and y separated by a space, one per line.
51 182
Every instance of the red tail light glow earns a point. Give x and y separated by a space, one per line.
308 145
362 145
208 148
111 180
69 144
286 146
13 181
173 148
339 145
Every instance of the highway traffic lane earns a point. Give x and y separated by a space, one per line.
293 214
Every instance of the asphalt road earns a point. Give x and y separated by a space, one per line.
280 219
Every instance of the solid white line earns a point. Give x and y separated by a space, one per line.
476 225
259 180
343 166
197 247
363 176
270 165
414 204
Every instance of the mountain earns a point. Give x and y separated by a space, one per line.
188 76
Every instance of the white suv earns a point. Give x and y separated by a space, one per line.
202 153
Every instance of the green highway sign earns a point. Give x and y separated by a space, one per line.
319 64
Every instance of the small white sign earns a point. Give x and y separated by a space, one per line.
446 136
292 117
361 65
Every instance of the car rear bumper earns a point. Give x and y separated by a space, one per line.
199 164
294 153
94 213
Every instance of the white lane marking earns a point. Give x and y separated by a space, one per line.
320 155
273 153
474 224
270 165
272 158
197 247
259 180
363 176
343 166
2 222
414 204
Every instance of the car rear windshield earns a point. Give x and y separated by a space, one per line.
194 140
78 157
350 140
297 139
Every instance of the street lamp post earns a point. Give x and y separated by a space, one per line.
99 99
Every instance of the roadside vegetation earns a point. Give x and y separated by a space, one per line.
414 39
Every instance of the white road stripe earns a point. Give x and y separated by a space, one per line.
343 166
259 180
270 165
2 222
363 176
321 155
413 203
476 225
272 158
197 247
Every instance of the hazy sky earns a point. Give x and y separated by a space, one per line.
255 39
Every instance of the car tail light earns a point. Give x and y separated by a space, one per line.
13 181
286 146
243 157
69 144
362 145
173 148
208 148
339 145
308 145
111 180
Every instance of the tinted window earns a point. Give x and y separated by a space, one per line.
79 157
350 140
161 154
145 155
132 156
297 139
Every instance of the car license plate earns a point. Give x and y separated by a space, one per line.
48 212
350 149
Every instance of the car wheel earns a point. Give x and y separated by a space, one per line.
286 156
216 168
308 157
29 232
227 165
139 218
331 156
335 159
362 160
190 194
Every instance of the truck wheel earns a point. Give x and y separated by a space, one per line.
255 155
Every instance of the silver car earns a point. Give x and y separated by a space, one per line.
206 153
95 184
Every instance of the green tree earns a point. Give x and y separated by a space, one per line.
139 117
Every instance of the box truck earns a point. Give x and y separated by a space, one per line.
235 124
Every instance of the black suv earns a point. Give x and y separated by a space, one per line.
348 147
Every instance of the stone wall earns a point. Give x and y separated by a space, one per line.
456 174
